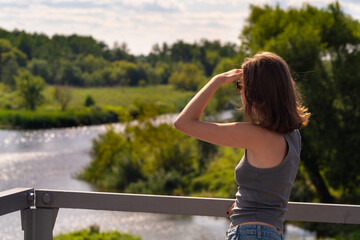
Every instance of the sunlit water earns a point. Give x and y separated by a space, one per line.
49 159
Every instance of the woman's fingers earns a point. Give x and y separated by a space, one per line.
230 76
229 212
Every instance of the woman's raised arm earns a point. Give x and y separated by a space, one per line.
228 134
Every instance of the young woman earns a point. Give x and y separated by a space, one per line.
271 140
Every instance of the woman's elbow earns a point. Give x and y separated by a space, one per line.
181 125
177 124
184 126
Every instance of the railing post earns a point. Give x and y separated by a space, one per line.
38 223
28 223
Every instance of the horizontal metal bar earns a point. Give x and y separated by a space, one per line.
320 212
14 200
134 203
312 212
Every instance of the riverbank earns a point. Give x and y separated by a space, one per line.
110 105
22 119
50 158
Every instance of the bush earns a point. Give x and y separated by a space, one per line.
93 233
63 96
89 101
146 109
187 77
161 182
355 235
158 159
218 178
53 119
30 88
145 158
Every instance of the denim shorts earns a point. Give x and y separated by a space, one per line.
253 232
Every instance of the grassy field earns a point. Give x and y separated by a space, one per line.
122 96
111 105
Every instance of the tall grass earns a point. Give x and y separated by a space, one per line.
52 119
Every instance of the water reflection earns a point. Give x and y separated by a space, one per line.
50 159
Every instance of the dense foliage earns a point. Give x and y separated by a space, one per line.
322 48
93 233
83 61
53 119
30 89
157 159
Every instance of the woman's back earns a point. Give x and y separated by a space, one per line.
269 149
263 193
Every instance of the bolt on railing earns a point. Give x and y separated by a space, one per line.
39 208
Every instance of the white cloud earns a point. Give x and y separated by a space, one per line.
353 9
233 2
140 23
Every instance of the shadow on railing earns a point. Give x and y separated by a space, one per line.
39 207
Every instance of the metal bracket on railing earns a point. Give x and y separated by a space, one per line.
47 198
31 198
38 222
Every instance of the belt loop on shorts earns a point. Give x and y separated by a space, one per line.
237 229
259 231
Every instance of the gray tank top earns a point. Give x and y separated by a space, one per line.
263 193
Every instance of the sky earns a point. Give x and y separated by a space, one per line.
142 23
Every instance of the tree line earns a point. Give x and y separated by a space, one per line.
83 61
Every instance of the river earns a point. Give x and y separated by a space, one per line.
49 159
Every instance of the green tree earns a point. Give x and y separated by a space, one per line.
30 89
90 63
25 44
121 52
217 179
63 96
97 78
182 52
321 47
163 70
89 101
225 97
41 67
159 54
212 52
134 72
8 71
187 76
11 59
69 74
110 76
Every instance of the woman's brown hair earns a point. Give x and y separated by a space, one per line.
272 99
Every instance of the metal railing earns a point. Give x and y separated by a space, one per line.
39 207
